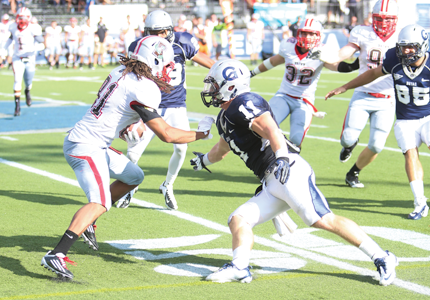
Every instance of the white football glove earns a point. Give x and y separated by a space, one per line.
205 126
131 135
197 162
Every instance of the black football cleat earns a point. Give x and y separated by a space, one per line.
28 97
57 264
346 153
17 109
89 236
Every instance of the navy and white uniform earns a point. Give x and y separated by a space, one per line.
299 192
173 107
412 87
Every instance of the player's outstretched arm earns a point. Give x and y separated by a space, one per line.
268 64
217 153
363 79
203 60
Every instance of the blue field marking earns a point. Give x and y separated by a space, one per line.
39 117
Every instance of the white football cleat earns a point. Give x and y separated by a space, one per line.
124 202
419 212
229 272
386 267
169 198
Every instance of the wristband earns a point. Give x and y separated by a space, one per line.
256 71
268 64
283 152
206 160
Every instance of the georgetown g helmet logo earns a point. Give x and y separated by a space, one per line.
229 76
424 34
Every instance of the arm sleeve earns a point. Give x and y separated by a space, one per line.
344 67
145 113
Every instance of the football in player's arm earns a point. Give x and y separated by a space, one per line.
247 128
409 65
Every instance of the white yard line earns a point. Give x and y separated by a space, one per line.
222 228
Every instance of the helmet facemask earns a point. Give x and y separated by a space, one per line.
384 25
409 58
211 89
308 41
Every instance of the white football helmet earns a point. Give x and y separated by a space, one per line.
23 17
226 80
313 26
155 52
412 36
384 16
159 20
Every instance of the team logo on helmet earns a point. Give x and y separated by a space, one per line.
159 50
424 34
231 75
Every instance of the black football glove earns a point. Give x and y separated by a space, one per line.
252 73
197 162
282 171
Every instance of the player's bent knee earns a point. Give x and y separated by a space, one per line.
181 149
326 222
137 176
376 148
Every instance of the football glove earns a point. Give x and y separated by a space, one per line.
197 162
131 134
314 53
205 126
282 171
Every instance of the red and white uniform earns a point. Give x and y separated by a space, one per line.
53 41
86 146
372 51
374 101
24 39
87 43
296 96
72 38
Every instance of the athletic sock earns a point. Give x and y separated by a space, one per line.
372 249
241 257
66 242
354 170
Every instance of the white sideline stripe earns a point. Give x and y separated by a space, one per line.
8 138
263 241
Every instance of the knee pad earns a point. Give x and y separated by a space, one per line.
349 137
376 146
138 177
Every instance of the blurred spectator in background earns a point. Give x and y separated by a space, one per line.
217 37
181 22
200 34
86 49
346 31
87 6
208 31
142 25
129 31
71 40
53 44
286 31
255 37
100 40
333 11
295 26
111 45
352 6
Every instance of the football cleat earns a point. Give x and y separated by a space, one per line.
169 198
386 267
57 263
27 97
346 153
229 272
124 202
419 212
17 109
89 236
352 180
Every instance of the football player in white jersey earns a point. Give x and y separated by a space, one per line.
53 44
296 95
86 48
374 101
71 38
24 34
130 93
4 36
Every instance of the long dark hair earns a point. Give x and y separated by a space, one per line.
142 70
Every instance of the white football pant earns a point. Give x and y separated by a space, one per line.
23 68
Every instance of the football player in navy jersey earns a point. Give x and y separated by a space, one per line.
247 127
173 107
409 66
